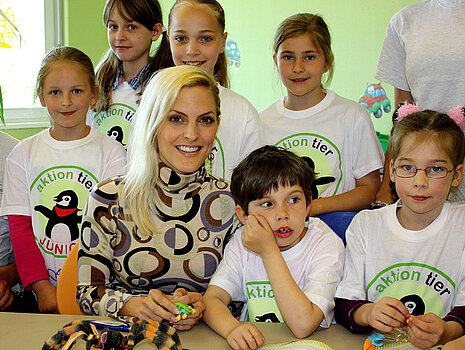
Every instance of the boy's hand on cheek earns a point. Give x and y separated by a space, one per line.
258 235
425 331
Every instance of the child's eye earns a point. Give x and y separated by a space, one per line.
112 27
294 200
436 169
310 57
206 39
77 91
287 57
266 204
132 27
180 39
408 168
54 92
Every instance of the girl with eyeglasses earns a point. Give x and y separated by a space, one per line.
404 262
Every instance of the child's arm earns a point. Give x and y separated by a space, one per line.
300 314
354 200
218 317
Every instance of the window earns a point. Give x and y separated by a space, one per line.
36 29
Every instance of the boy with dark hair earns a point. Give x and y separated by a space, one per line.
285 269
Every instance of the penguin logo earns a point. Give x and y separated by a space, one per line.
269 317
116 133
414 304
63 218
318 180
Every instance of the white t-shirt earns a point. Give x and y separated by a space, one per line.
240 132
423 52
50 181
424 269
116 121
337 135
6 251
315 263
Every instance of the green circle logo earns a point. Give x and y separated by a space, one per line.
418 298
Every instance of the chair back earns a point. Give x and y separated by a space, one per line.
66 287
338 221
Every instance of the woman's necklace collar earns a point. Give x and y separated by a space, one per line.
173 181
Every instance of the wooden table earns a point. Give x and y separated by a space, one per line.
29 331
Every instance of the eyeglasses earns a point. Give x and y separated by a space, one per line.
433 172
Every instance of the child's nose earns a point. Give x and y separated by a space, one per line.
281 212
66 100
420 179
298 66
120 34
192 48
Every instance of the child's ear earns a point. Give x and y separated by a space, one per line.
94 96
391 171
274 59
241 214
223 45
458 175
156 31
309 207
42 100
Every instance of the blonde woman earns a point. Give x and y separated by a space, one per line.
155 236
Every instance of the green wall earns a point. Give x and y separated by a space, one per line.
84 28
357 28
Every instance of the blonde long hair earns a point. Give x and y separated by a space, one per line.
139 186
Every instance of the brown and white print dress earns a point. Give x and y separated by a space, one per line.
195 218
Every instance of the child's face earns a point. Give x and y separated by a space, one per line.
196 37
301 67
186 136
285 210
129 40
423 197
67 94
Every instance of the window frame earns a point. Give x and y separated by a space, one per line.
37 117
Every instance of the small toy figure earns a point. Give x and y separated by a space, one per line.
368 345
375 100
233 54
184 310
376 340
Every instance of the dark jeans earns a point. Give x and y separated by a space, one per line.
24 302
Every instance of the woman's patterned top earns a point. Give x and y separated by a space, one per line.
195 218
